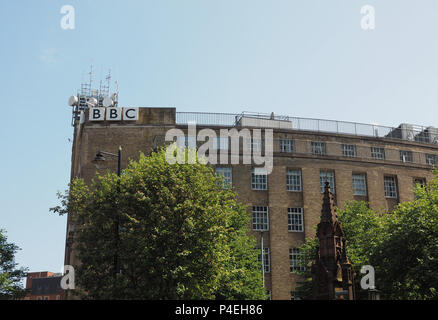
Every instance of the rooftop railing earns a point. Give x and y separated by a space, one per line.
407 132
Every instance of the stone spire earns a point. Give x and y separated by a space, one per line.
332 272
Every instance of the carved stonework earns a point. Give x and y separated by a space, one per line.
333 273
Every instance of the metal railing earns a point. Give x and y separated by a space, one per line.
405 132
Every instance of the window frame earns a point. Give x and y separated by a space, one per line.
266 257
219 172
322 182
293 263
431 159
294 187
378 153
259 185
290 220
390 194
315 145
409 157
290 145
349 150
363 175
260 218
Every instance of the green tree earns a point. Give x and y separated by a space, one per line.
182 236
406 260
402 246
10 275
363 228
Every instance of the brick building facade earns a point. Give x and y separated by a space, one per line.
43 285
379 165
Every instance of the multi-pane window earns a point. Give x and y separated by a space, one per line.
390 185
325 175
221 143
254 144
187 142
432 159
359 185
293 180
349 150
405 156
419 182
295 219
378 153
226 174
266 259
259 179
287 145
296 260
318 147
260 218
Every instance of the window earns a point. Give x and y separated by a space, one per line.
419 182
58 297
260 218
266 259
259 179
378 153
405 156
255 145
390 186
39 298
225 173
287 145
46 298
293 180
349 150
221 143
187 142
359 185
318 147
327 176
295 219
295 257
432 159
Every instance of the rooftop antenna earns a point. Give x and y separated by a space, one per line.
88 97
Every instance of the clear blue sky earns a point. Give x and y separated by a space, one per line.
302 58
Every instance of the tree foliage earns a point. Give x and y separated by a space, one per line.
181 236
407 259
402 246
10 274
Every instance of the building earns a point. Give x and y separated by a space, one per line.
361 162
43 286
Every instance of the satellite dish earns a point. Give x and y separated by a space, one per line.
107 102
72 101
91 102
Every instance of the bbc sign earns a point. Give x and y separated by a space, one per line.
113 114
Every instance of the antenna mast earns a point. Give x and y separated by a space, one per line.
88 97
